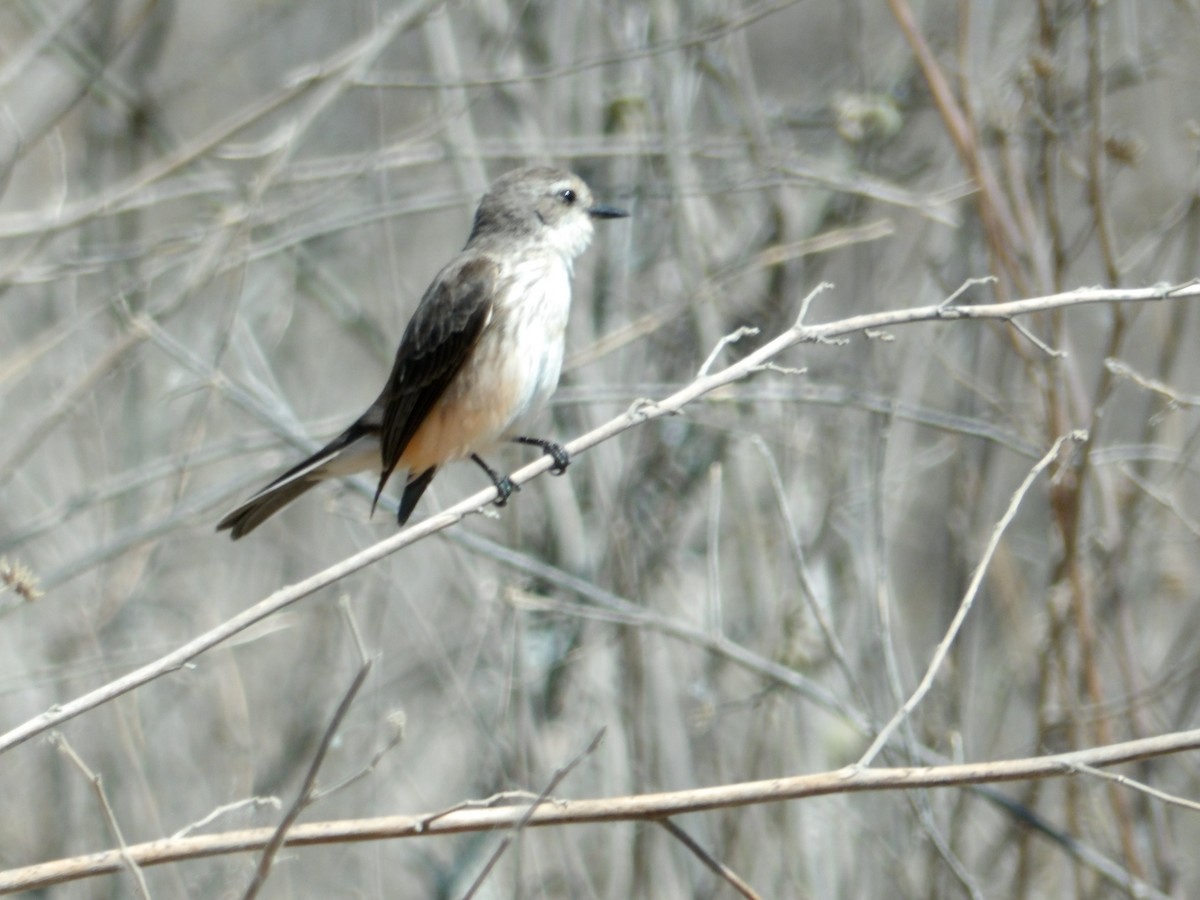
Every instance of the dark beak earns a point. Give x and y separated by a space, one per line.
601 211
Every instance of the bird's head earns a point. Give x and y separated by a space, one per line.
549 206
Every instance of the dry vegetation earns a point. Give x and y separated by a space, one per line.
217 218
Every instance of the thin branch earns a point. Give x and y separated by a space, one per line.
122 851
1153 385
966 286
1124 780
307 789
731 338
503 798
396 720
555 780
643 807
968 600
227 808
1037 341
718 867
640 414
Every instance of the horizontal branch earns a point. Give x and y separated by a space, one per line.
614 809
641 413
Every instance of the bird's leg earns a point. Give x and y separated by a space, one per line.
504 484
558 452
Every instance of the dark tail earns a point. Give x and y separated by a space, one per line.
265 504
291 484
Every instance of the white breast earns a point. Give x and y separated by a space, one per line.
515 366
537 307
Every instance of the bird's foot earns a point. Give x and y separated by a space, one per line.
557 452
504 485
504 489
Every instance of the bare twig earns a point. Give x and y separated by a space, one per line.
731 338
1024 331
396 720
307 790
718 867
966 286
1153 385
226 808
127 860
503 798
645 807
968 600
639 415
1126 781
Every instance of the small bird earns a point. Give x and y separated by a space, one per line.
480 356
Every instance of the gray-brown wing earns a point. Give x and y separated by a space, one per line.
436 343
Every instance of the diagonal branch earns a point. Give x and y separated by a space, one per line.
715 865
555 780
640 414
308 790
968 600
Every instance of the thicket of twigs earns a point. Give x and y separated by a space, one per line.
934 535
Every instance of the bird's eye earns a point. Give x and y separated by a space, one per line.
567 196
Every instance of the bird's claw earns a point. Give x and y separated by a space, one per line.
504 489
561 458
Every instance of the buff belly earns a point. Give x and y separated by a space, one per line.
512 372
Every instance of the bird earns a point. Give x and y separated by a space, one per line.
479 358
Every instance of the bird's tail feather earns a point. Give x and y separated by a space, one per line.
352 451
265 504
